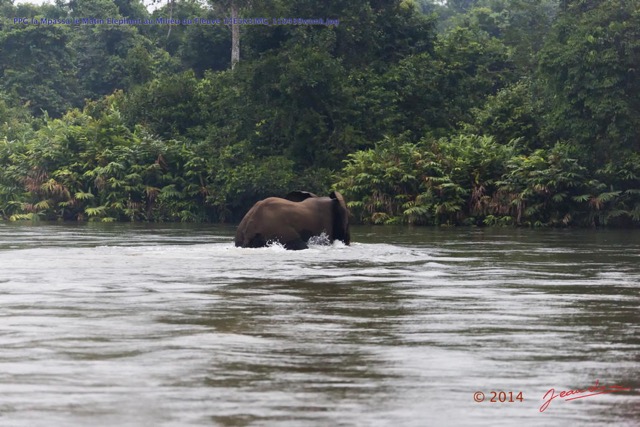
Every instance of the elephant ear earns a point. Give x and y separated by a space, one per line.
298 196
340 218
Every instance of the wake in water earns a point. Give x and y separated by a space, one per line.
315 242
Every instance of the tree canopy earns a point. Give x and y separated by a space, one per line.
485 112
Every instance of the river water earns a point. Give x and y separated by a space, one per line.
170 325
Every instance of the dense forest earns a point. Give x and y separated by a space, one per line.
484 112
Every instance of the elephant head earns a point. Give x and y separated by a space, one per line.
293 220
340 218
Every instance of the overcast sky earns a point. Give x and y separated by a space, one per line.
32 1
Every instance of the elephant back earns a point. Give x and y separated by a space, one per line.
299 196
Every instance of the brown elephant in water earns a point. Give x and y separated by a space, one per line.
293 220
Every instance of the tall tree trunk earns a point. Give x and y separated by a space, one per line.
170 18
235 36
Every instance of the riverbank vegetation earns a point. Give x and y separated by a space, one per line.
485 112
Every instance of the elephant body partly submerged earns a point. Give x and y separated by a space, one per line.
293 220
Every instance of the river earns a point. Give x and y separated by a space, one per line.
170 325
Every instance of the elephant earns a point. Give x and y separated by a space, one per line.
294 219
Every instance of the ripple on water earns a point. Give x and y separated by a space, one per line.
173 325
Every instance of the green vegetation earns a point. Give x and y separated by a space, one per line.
485 112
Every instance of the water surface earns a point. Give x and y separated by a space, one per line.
165 325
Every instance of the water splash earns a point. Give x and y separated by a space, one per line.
321 240
275 245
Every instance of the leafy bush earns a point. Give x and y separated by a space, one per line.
93 167
444 181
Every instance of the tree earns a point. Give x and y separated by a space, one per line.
520 25
512 115
589 74
105 53
234 7
37 66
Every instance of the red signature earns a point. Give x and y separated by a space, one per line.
568 395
